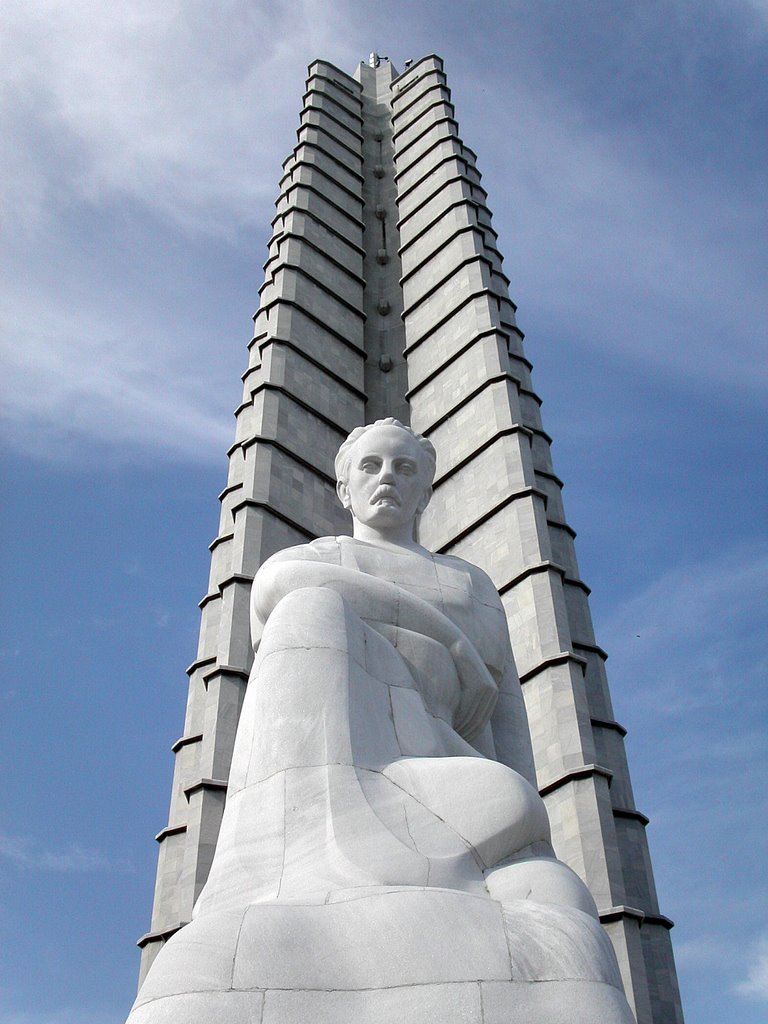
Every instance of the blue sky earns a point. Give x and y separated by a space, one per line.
623 146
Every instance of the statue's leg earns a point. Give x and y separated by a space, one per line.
311 691
317 723
540 878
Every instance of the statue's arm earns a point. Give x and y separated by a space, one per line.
373 598
263 595
509 722
378 600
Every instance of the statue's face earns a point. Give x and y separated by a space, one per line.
388 484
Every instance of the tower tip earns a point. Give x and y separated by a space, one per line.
374 60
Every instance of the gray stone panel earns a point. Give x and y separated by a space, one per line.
314 154
538 624
343 149
431 145
509 541
433 177
431 93
625 931
313 176
491 475
560 731
301 196
288 322
416 218
660 968
289 284
561 541
314 384
432 118
472 317
461 215
315 116
601 709
292 251
293 422
475 424
334 96
583 836
321 235
463 246
453 381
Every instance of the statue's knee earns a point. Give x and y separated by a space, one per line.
541 880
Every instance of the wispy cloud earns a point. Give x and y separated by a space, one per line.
71 859
656 264
184 112
176 105
69 376
687 669
694 637
167 112
756 983
703 951
760 9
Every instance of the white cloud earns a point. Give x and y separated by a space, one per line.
658 264
177 105
79 375
756 983
186 110
72 859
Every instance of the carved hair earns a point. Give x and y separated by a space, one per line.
344 454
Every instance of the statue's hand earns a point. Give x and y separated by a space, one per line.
478 690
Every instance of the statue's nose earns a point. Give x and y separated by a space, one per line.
387 474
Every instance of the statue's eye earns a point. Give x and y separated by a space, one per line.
407 468
370 465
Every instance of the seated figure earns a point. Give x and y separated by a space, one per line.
383 854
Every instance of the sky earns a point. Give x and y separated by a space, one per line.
623 147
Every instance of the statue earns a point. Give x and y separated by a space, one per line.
383 854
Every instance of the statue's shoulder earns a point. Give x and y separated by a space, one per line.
324 549
482 584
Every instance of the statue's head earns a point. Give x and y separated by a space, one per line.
384 474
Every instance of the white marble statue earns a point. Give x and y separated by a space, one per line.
383 856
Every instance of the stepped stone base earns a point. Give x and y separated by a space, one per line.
409 955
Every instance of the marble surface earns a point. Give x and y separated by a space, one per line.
383 854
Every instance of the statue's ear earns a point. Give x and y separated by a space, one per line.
425 500
343 492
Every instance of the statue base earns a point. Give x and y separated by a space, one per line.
379 955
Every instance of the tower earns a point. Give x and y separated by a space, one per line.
384 295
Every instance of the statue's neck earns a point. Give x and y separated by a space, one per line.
398 540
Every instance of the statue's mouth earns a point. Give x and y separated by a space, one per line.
385 496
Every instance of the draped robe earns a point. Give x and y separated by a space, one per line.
383 853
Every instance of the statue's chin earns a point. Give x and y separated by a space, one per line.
385 516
